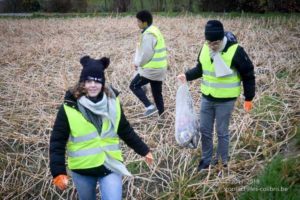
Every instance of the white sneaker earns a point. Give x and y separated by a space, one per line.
150 111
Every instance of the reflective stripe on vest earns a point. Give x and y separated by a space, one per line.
219 87
97 150
86 148
208 73
159 59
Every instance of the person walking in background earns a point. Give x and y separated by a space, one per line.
88 126
150 63
223 65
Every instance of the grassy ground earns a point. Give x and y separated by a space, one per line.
279 180
40 60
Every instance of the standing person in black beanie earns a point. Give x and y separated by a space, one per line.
223 64
88 128
151 64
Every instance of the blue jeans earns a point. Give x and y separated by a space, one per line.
110 186
211 112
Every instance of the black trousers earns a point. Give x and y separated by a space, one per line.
156 88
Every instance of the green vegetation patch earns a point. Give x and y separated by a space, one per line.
270 107
279 180
297 137
137 167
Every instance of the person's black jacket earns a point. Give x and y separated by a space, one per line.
60 135
240 62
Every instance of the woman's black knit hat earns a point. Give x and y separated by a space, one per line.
93 69
214 30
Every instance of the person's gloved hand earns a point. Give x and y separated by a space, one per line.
61 181
248 106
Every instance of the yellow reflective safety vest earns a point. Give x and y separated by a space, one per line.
159 59
219 87
85 147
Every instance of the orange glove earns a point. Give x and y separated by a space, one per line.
61 181
248 106
149 158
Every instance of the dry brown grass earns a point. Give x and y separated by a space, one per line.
39 59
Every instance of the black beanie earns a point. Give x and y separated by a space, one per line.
145 16
214 30
93 69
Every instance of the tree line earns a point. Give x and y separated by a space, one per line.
259 6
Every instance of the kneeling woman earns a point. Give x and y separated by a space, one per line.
88 126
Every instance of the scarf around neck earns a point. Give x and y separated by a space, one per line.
98 108
221 68
213 53
94 112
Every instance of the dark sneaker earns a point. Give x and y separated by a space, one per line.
202 166
215 163
150 112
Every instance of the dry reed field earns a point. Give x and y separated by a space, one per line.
39 60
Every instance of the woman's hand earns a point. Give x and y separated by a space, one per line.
149 158
248 106
61 181
181 78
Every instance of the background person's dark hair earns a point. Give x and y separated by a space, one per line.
145 16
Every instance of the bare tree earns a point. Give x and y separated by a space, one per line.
79 5
13 5
121 5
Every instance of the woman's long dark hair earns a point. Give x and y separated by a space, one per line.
79 90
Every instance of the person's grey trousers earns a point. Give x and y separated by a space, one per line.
210 112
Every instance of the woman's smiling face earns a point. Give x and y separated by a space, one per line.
92 87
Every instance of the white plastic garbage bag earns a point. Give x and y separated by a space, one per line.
186 133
